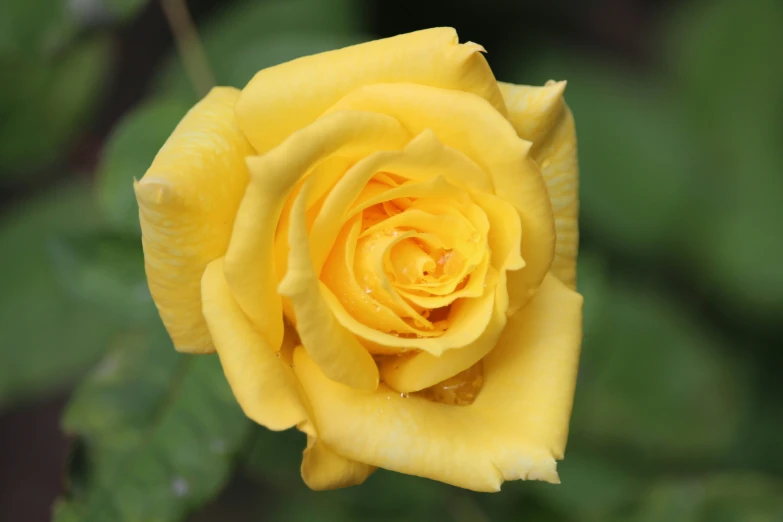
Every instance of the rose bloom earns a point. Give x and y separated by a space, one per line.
380 243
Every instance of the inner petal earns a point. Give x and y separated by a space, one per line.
340 277
447 249
410 263
371 253
421 246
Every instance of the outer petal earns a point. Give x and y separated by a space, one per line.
333 347
469 124
187 202
515 429
281 99
262 382
531 374
540 115
250 257
324 469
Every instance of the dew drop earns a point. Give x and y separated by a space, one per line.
404 395
180 486
218 446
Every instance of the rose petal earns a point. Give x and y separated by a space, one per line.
516 427
468 123
281 99
418 371
468 319
540 115
533 110
424 158
262 382
187 202
324 469
335 349
249 262
531 374
340 278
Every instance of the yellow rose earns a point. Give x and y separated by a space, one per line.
380 244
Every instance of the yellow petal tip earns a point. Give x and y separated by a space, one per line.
559 86
153 191
474 47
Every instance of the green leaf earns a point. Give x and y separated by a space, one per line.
46 338
654 381
129 152
249 36
107 271
635 175
42 110
740 497
158 433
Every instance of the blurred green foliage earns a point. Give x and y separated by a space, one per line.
158 434
50 97
59 56
248 36
677 416
46 338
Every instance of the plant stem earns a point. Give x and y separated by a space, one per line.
189 46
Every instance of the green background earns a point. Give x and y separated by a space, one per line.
679 406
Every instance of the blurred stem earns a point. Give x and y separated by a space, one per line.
189 46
